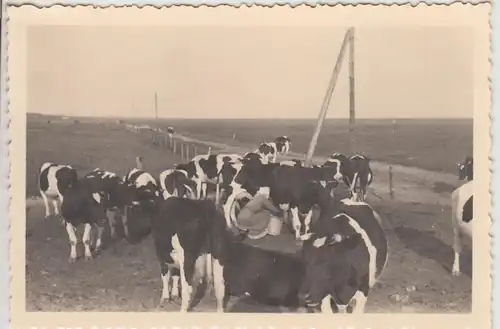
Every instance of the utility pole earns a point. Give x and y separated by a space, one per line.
156 106
328 97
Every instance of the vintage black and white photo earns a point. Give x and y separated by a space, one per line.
266 162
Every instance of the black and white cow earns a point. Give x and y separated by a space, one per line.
84 204
175 182
117 195
344 256
461 220
362 176
53 182
205 168
466 169
269 150
190 235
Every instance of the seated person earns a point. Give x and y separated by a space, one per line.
252 220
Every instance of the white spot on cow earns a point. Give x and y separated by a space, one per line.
97 197
318 243
372 251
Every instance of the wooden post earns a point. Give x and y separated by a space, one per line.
391 189
175 146
195 152
182 151
209 150
187 152
156 106
326 101
352 113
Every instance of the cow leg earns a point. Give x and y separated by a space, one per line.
175 286
219 283
112 222
217 194
198 190
166 274
46 202
296 221
125 222
326 305
204 188
186 288
86 241
100 233
70 229
457 250
56 206
359 299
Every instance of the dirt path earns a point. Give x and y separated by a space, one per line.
410 184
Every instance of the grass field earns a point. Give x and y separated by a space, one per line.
429 144
125 277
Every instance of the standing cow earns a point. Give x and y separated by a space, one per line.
462 211
53 182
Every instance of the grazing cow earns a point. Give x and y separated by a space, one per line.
283 144
269 150
344 257
205 168
117 195
461 220
466 169
53 181
84 204
190 235
175 182
362 176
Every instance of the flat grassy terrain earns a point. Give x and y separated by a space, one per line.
428 144
125 277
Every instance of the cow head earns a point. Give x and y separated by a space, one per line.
466 169
209 166
324 260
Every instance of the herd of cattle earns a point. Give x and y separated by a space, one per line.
343 251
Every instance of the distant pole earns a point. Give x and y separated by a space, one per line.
352 112
326 100
156 106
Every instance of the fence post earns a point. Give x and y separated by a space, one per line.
391 186
175 146
195 153
182 151
209 150
187 152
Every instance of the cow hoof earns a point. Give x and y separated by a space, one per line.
71 260
455 272
89 258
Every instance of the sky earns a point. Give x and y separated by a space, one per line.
248 71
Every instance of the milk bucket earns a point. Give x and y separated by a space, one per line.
275 225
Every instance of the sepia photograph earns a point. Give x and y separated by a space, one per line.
234 162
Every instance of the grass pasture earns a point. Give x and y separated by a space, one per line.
125 277
428 144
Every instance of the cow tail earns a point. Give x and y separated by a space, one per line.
210 272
